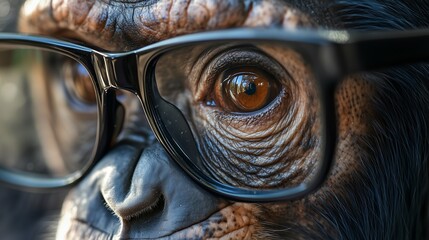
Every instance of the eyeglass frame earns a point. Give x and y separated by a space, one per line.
330 54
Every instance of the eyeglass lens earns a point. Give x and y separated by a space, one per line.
48 118
253 109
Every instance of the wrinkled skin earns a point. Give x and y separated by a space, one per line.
376 188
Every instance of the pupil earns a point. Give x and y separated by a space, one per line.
250 88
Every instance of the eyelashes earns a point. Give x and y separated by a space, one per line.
242 80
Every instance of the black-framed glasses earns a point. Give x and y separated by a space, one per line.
247 113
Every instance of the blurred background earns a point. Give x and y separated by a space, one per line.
9 14
23 215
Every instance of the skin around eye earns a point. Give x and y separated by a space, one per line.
245 89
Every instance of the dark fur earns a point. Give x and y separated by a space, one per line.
387 198
396 176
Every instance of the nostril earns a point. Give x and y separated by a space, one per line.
126 189
149 211
136 204
143 217
148 194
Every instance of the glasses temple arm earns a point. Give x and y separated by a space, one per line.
377 53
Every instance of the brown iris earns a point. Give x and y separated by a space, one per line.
78 82
246 89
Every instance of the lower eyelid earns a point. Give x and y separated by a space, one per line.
250 118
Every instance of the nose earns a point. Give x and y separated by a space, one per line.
148 194
132 189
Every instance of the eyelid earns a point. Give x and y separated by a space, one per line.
235 57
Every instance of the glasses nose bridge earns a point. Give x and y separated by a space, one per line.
116 70
120 71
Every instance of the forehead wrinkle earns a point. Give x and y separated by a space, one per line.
125 25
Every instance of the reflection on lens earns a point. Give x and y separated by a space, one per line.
252 110
42 128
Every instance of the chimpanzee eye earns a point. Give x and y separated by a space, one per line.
252 109
78 82
245 89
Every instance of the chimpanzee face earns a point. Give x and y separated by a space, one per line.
253 111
